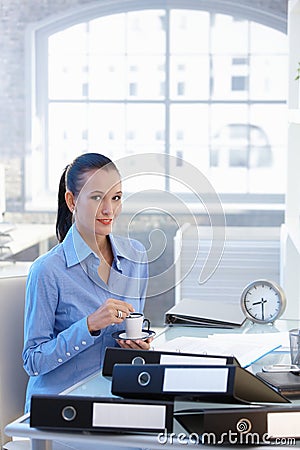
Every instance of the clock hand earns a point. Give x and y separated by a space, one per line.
263 308
260 302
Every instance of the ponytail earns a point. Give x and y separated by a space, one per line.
64 215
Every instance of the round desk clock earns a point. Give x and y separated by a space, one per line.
263 301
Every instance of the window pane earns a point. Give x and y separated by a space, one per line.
124 130
230 80
145 128
270 120
71 40
107 35
266 40
189 126
189 77
68 63
107 129
189 32
229 148
229 35
107 77
145 77
145 131
244 154
145 32
268 77
67 137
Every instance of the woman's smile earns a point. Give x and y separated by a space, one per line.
105 221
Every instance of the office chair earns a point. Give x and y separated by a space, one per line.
13 378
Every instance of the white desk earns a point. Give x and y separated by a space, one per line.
97 385
23 236
14 268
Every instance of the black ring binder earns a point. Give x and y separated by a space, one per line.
100 414
114 355
227 383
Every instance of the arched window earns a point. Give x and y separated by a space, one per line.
205 86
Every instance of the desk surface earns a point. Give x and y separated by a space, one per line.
97 385
14 269
23 236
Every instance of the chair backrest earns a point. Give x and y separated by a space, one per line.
13 378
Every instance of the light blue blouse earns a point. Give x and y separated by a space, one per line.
63 288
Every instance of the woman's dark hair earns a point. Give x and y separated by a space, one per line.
73 179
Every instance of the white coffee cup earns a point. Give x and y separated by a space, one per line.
134 325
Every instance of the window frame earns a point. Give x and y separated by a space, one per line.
37 82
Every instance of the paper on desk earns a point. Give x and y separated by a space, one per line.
280 340
247 348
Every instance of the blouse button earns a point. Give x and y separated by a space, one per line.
59 360
68 354
76 347
83 342
36 373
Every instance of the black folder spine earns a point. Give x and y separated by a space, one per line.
67 412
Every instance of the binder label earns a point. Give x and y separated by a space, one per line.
195 380
136 416
284 424
192 360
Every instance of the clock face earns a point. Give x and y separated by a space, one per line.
263 301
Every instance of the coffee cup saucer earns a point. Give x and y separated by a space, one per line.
121 335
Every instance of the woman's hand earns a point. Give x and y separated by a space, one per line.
137 344
112 311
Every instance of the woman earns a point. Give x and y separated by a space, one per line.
81 291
